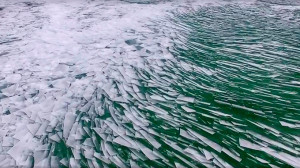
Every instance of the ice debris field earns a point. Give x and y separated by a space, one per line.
149 83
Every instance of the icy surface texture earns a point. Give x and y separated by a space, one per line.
158 83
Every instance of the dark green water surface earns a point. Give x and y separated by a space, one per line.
241 67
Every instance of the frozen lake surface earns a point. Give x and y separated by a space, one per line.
150 83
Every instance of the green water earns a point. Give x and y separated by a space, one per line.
242 67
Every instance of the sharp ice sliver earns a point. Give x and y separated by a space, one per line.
231 154
123 142
150 139
157 97
210 143
147 152
247 144
186 99
68 123
156 110
189 110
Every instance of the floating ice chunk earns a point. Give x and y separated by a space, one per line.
206 129
88 142
292 160
61 67
90 163
151 131
8 162
208 155
189 110
55 137
131 141
54 161
221 161
79 134
149 153
295 82
210 143
137 155
150 139
8 141
13 78
156 110
226 123
98 156
247 144
3 133
71 141
240 107
68 123
44 163
61 83
95 163
185 134
261 160
196 154
26 144
122 142
178 165
138 135
120 99
270 128
20 132
74 163
168 98
76 153
289 125
7 119
118 161
110 149
86 107
42 128
99 131
186 99
133 164
217 113
185 161
131 117
40 155
275 143
2 157
203 70
115 128
33 128
157 97
64 162
89 153
88 92
229 153
86 130
9 91
157 153
186 66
